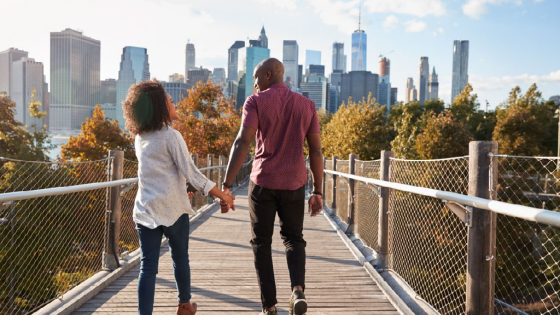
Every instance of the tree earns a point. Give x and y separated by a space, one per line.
15 141
208 121
465 108
407 121
443 137
359 128
525 124
98 135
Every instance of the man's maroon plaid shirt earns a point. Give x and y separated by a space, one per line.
282 119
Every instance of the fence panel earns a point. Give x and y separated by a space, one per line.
128 239
342 191
528 254
428 243
367 204
328 185
48 245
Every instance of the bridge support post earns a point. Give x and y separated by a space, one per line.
481 249
324 178
221 170
333 191
351 198
113 214
210 176
383 229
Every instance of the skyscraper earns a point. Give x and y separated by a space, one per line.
290 60
312 57
316 69
358 85
315 88
197 75
7 58
177 78
263 39
460 75
108 92
384 97
190 60
359 50
410 94
219 75
394 94
338 57
234 60
423 80
134 68
254 56
434 86
75 79
384 66
27 77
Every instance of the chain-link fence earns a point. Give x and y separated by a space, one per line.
428 242
342 190
49 245
367 204
329 185
528 253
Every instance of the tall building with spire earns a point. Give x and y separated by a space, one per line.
75 80
134 68
460 75
423 80
263 39
433 85
384 97
190 58
359 47
338 57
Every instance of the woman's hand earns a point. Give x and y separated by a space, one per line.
191 195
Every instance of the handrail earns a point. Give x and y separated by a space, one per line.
30 194
513 210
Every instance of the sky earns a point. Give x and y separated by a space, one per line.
512 42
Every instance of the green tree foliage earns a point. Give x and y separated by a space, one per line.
443 137
359 128
208 120
526 124
15 140
465 108
99 135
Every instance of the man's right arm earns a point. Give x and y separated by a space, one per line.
316 165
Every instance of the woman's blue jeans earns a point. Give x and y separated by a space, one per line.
150 242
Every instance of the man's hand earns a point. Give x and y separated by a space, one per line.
225 205
315 205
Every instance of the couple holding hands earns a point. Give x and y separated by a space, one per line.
280 121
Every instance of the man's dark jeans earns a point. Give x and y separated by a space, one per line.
290 205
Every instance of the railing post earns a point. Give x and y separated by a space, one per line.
351 198
221 171
481 248
113 214
324 177
210 163
333 191
383 229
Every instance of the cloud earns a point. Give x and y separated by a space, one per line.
508 82
414 26
420 8
476 8
282 4
390 22
438 31
344 14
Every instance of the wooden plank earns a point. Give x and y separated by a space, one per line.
224 280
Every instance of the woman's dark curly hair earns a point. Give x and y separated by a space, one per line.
145 107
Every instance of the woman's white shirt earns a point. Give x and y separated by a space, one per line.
164 167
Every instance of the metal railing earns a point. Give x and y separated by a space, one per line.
59 224
429 238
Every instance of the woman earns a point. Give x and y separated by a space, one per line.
161 206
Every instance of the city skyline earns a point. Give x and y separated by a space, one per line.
410 29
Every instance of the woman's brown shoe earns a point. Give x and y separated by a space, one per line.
187 309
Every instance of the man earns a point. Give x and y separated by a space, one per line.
281 121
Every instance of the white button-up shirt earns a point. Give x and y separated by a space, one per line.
164 168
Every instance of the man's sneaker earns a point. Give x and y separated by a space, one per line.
298 305
265 312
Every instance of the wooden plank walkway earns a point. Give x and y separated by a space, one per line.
224 279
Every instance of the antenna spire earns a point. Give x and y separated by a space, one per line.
360 17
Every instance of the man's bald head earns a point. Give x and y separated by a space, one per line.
268 72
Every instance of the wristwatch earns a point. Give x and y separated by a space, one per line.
227 185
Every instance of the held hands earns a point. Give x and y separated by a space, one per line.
227 201
315 205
